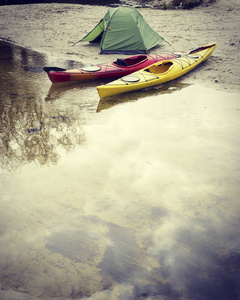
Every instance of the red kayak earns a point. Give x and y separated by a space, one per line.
115 69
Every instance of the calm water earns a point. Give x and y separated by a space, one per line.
137 198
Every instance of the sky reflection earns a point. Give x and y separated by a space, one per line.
147 208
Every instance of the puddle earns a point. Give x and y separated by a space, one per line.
34 129
138 199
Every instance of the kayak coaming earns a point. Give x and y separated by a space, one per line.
158 73
106 70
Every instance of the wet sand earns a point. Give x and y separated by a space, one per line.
54 29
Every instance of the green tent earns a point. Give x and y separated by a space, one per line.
123 30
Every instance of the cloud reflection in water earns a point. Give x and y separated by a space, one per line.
147 209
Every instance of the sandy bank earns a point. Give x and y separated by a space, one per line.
54 28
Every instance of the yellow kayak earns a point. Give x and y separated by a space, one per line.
157 73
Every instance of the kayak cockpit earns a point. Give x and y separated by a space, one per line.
160 69
203 48
130 61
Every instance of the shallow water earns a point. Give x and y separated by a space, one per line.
137 198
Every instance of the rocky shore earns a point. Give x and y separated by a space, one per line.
164 4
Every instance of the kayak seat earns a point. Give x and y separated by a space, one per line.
121 62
